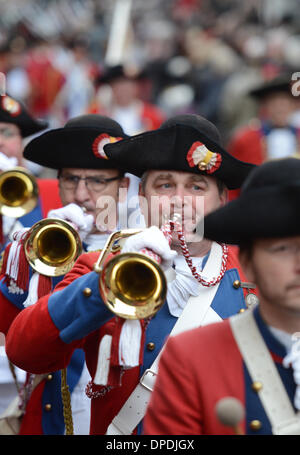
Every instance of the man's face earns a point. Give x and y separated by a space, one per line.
11 143
278 108
89 193
190 195
274 265
124 91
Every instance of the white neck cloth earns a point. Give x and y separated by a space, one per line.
183 286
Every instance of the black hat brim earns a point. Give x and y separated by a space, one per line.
25 122
267 212
27 125
167 148
70 147
274 86
119 72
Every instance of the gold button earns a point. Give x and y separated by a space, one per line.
150 346
242 310
236 284
255 425
257 386
87 292
49 377
48 407
202 166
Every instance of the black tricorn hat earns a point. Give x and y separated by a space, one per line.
79 144
280 83
185 142
13 111
268 206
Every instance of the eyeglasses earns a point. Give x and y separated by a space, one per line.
8 132
96 184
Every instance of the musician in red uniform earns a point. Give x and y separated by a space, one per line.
271 134
253 357
182 158
75 151
125 103
16 124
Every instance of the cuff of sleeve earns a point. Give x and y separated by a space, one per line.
76 315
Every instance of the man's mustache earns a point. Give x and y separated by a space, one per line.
292 285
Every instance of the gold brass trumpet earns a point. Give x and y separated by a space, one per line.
52 246
132 285
18 192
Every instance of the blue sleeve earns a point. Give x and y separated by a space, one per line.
19 299
76 315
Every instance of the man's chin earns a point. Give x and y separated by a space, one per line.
188 237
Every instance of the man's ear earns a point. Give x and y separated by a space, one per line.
224 197
246 264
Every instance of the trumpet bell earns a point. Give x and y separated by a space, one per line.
52 247
133 286
18 192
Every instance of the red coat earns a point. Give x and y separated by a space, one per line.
247 145
49 199
188 388
194 388
49 195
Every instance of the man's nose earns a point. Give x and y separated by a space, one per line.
2 139
179 195
81 192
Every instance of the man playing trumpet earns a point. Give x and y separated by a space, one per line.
252 357
182 158
83 177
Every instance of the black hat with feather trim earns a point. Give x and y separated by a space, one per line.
79 144
188 143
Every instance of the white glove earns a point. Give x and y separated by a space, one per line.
153 239
7 163
75 215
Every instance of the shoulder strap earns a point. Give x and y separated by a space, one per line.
261 367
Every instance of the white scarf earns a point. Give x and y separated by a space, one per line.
96 241
281 143
183 286
181 289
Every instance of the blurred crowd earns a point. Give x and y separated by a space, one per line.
201 56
